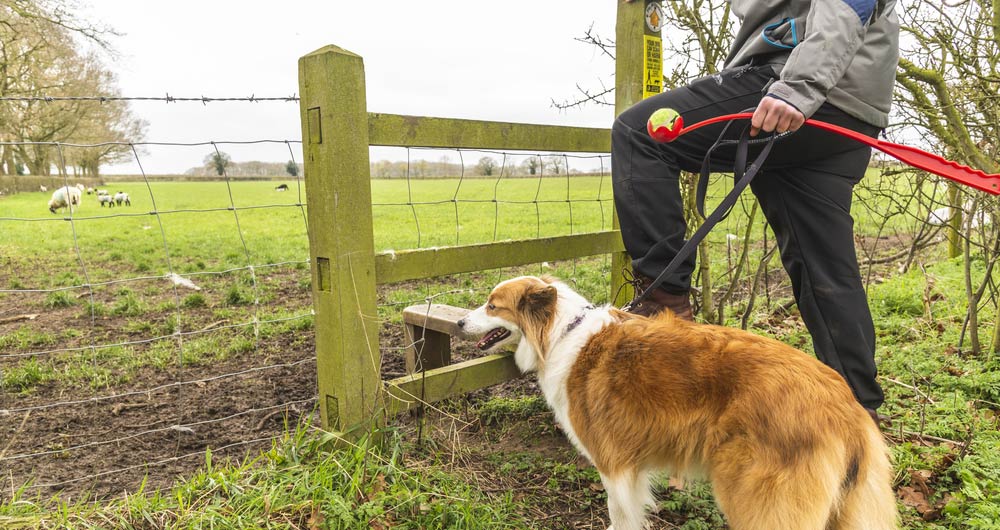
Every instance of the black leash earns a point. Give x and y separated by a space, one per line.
743 175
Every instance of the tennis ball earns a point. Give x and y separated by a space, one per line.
664 125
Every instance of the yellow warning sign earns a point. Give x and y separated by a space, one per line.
652 65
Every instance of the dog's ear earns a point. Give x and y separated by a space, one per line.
538 297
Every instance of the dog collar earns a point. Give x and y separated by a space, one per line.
576 321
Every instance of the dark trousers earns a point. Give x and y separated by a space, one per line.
804 190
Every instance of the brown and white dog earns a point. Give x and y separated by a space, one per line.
778 433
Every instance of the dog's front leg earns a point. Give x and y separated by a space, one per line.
629 497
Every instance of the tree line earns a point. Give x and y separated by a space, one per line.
45 50
486 166
219 163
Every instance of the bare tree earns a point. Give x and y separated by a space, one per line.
218 161
531 165
698 36
487 166
40 56
556 164
947 82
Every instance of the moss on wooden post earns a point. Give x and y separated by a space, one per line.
341 244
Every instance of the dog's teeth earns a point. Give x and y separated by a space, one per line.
492 337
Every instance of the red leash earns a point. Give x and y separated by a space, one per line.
672 125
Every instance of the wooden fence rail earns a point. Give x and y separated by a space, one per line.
337 130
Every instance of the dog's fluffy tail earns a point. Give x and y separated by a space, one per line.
867 502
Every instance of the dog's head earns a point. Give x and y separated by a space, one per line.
520 309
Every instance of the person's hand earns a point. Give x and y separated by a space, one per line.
773 114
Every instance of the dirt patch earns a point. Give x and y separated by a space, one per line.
154 423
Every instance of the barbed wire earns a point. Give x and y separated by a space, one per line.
161 144
166 99
180 388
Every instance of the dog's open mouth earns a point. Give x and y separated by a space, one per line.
494 336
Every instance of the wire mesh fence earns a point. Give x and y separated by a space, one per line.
136 336
140 330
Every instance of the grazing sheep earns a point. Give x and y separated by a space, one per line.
281 187
122 197
942 216
102 192
65 197
90 191
106 199
42 188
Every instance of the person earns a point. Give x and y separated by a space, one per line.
832 60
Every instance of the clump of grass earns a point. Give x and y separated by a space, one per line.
26 375
241 345
57 299
192 301
128 305
138 326
25 337
237 295
501 409
96 309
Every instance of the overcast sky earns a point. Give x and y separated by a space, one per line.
502 61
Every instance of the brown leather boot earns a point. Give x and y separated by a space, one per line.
658 300
881 420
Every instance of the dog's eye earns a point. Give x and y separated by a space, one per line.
491 307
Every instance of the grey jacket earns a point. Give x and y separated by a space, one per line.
841 51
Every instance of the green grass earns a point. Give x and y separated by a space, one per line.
298 483
956 397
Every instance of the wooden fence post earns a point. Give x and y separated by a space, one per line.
634 39
341 243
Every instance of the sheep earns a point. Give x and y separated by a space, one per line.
42 188
942 216
122 197
79 187
281 187
65 197
102 192
90 191
106 199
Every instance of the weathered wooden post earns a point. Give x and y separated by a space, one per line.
638 74
341 244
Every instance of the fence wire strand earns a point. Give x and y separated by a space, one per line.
181 412
183 333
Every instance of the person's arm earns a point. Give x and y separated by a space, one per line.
835 29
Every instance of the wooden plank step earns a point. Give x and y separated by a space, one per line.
428 332
438 317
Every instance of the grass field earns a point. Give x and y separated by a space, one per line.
491 460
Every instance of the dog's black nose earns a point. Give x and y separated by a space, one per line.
460 323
